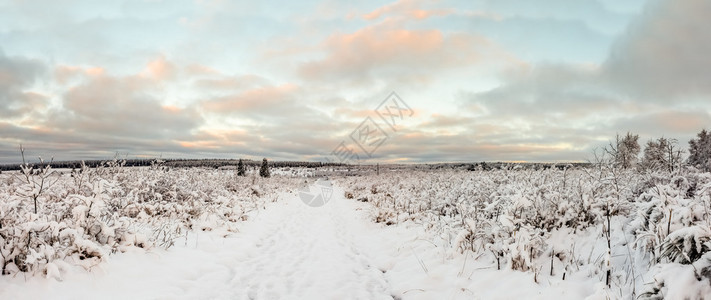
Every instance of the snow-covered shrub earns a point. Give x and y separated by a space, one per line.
614 224
680 281
687 245
93 212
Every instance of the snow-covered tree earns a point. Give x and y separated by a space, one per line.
700 151
625 150
661 154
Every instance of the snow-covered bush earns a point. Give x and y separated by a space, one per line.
606 222
687 245
90 213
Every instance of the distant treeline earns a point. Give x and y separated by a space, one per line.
218 163
77 164
507 165
480 166
172 163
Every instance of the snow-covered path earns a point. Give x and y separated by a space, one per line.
307 253
293 251
288 251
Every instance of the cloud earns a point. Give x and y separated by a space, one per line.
96 112
665 54
108 106
290 81
391 53
670 123
654 83
570 110
64 74
408 8
264 101
17 77
160 69
550 93
313 139
231 83
474 145
282 120
592 13
536 39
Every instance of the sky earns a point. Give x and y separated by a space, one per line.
474 80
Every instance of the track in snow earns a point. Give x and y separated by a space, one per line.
308 253
288 251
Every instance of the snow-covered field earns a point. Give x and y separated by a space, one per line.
152 233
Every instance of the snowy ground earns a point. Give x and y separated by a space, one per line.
293 251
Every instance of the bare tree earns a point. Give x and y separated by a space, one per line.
661 154
624 151
37 181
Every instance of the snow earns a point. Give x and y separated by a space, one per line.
293 251
205 234
289 250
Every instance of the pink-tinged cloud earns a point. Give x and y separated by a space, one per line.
109 107
668 123
350 113
249 142
215 139
65 73
407 8
468 147
255 100
198 70
160 69
231 83
438 121
384 52
684 121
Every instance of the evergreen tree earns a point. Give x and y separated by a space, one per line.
240 168
264 170
700 151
